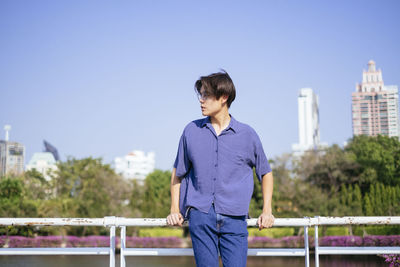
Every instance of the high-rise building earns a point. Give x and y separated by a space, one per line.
136 165
11 156
375 105
43 162
308 115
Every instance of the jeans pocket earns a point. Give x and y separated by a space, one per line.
187 213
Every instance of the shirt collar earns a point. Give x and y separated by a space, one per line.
233 124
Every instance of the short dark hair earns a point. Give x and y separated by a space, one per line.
217 84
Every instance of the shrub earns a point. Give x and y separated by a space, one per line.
87 241
392 259
272 232
341 241
330 231
383 241
153 242
382 230
337 231
267 242
160 232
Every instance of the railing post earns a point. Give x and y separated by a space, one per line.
316 244
306 247
112 246
123 245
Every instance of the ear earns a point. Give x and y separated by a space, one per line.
224 98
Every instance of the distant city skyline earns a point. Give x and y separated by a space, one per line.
119 76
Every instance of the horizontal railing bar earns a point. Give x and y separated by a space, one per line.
357 250
53 221
276 252
151 222
189 252
383 220
56 251
158 252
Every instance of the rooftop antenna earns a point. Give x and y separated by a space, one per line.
7 128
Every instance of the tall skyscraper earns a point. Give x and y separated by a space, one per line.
375 105
11 156
308 113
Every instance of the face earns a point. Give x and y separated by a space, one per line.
210 106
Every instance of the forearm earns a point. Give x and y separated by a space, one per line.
267 189
175 188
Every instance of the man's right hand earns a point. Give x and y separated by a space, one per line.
175 219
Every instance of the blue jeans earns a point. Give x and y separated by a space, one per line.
212 233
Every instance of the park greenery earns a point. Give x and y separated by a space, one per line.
360 179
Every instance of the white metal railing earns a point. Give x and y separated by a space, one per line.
113 222
106 222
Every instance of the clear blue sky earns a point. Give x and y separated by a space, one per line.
102 78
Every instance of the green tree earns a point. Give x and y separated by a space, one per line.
36 186
368 210
329 170
356 205
381 154
13 203
157 196
378 200
88 188
136 199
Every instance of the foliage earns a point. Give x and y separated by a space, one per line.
136 199
330 170
160 232
392 259
88 188
156 198
329 231
272 232
80 188
379 158
361 179
336 241
13 203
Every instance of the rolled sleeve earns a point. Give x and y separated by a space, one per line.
182 162
262 166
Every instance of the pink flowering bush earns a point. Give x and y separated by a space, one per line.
3 240
341 241
176 242
48 241
382 241
328 241
268 242
87 241
392 259
21 242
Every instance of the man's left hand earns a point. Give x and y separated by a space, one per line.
265 220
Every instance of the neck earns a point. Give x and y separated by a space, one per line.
220 120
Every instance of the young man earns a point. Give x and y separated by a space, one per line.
212 178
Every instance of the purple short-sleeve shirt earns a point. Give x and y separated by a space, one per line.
219 169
